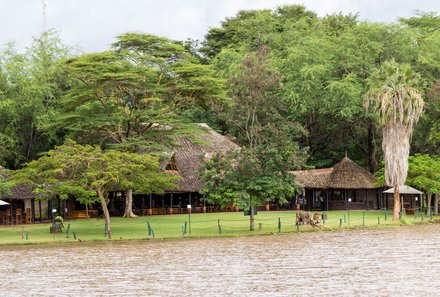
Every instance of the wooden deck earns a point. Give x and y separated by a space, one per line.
81 214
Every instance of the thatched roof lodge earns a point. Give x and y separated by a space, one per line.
335 187
22 200
186 159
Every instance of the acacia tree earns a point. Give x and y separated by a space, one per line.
89 171
128 98
397 106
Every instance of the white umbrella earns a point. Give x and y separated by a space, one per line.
404 190
3 203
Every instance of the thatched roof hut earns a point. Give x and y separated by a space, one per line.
344 175
19 192
188 157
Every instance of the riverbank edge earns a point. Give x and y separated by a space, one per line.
401 223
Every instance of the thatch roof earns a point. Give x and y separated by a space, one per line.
19 192
344 175
188 157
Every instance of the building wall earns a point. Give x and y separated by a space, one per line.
368 198
44 205
338 199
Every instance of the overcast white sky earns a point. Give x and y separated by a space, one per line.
93 24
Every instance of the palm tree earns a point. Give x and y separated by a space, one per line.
397 106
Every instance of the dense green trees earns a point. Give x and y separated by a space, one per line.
30 84
283 78
325 63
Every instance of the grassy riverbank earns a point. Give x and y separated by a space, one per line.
202 225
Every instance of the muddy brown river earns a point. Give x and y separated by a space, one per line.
389 262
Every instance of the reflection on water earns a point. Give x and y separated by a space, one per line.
389 262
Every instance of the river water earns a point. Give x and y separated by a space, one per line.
388 262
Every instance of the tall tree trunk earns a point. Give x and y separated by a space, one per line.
371 149
436 204
29 149
396 211
129 204
428 203
251 218
106 213
87 211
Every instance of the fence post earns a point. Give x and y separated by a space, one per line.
150 230
363 218
340 222
345 218
378 220
74 234
260 227
67 231
385 213
219 227
279 225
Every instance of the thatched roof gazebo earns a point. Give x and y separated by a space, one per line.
334 187
343 175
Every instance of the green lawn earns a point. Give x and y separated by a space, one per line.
202 225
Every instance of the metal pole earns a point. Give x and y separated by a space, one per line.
189 219
44 15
